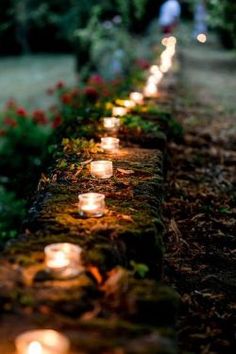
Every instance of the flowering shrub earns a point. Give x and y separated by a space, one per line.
24 139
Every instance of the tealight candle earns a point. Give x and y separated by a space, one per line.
101 169
137 97
110 144
119 111
44 341
111 123
63 260
150 90
92 204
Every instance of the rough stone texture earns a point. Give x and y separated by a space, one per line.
109 307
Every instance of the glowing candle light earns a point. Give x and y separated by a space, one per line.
101 169
35 348
119 111
110 144
150 90
166 62
63 260
45 341
92 204
137 97
202 38
155 78
129 104
111 123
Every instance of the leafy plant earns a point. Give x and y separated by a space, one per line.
139 124
12 212
139 269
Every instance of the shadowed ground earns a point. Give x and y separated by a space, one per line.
200 207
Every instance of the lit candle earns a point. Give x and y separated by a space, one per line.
119 111
150 90
129 104
137 97
202 38
92 204
44 341
63 260
111 123
101 169
110 144
166 65
154 69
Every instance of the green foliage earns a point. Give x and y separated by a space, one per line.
176 130
12 212
140 124
139 269
223 18
23 147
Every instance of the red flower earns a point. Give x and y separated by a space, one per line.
143 63
95 80
2 132
10 122
91 93
39 117
66 98
56 122
21 112
60 84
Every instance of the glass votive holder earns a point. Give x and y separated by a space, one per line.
119 111
63 260
42 341
111 123
110 144
91 205
137 97
101 169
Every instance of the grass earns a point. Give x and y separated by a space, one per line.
27 78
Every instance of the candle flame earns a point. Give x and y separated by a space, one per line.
35 348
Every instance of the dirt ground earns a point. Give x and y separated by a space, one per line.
200 207
27 78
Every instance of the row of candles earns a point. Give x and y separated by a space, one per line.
63 260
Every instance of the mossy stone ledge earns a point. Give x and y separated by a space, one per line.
118 303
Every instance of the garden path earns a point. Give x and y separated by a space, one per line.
200 206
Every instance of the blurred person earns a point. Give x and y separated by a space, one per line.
200 19
169 15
